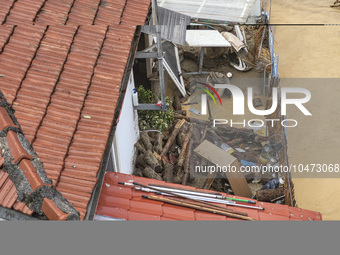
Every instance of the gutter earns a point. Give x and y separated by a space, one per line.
128 69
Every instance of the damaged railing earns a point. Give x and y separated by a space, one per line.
25 170
273 81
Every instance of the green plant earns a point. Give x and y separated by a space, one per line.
153 119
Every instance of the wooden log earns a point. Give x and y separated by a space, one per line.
268 195
144 137
184 150
235 142
181 112
168 175
172 158
158 145
180 116
158 157
172 137
140 161
182 133
138 172
166 134
140 147
187 165
152 161
209 180
178 174
177 103
150 173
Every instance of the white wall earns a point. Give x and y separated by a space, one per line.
127 134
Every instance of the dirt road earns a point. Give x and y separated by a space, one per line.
312 52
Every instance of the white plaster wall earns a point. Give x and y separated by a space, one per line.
127 133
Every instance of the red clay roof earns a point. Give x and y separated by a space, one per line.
64 83
74 12
124 202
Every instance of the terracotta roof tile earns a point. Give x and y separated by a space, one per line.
165 219
118 202
3 178
124 202
138 204
114 212
21 207
142 216
178 213
123 192
49 12
77 72
208 216
301 214
5 193
4 10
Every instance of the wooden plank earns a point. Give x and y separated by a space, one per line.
219 157
210 179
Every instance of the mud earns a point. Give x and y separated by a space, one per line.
312 52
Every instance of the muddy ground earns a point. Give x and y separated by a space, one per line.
312 52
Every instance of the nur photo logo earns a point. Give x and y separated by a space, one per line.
280 97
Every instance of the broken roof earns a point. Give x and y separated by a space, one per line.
64 83
123 202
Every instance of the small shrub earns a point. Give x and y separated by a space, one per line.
158 120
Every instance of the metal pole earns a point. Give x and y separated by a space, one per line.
201 61
265 83
160 53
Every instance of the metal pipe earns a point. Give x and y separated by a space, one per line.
264 85
201 61
160 54
195 198
199 198
189 192
202 194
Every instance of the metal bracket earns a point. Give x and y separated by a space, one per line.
141 54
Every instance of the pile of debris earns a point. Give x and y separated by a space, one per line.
171 156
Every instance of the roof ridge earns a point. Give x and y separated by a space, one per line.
26 171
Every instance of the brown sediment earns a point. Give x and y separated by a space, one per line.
312 52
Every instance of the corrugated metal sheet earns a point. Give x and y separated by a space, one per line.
236 11
173 26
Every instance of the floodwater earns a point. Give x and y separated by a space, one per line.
312 52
